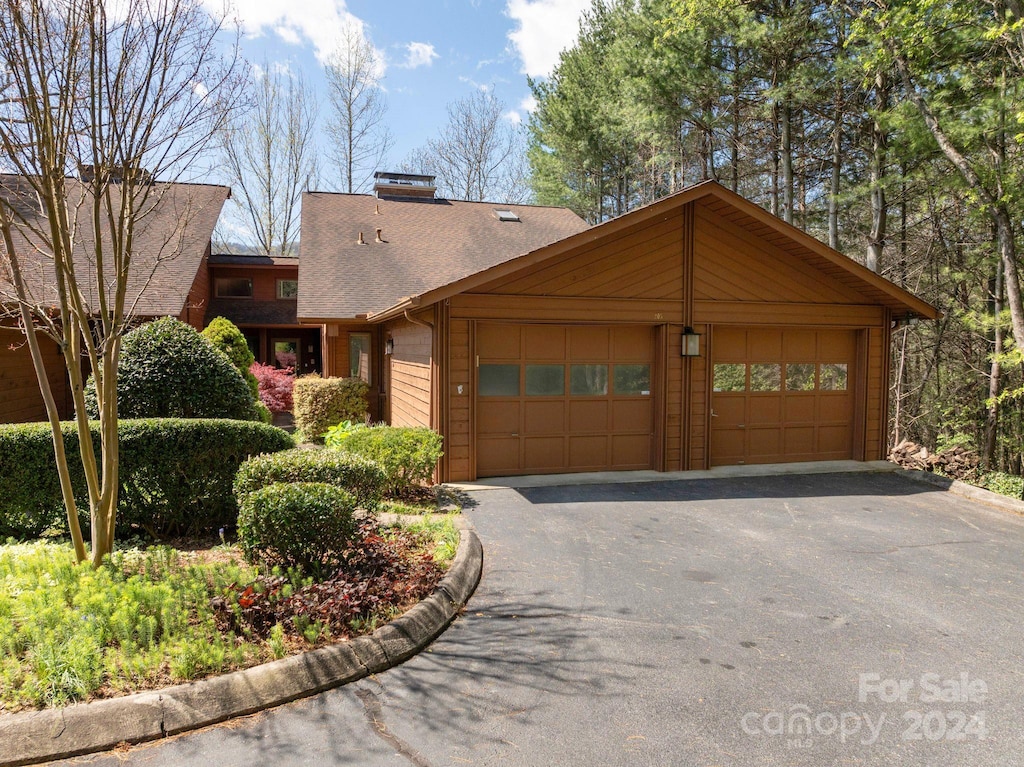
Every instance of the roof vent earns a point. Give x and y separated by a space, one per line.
403 185
506 215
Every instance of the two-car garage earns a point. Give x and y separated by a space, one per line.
578 356
565 398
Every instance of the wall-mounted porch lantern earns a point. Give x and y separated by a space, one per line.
691 342
389 346
905 320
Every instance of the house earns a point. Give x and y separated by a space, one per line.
694 332
259 294
168 278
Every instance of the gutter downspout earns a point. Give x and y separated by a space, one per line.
414 321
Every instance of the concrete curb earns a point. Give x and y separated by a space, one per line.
955 486
39 736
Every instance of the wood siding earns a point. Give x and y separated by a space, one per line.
641 262
410 374
198 298
264 279
460 401
20 400
732 264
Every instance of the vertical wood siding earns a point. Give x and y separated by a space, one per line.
20 400
199 296
459 420
410 374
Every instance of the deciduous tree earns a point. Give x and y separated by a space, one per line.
129 93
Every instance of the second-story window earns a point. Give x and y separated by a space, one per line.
232 287
288 289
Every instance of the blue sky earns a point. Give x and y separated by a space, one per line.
434 51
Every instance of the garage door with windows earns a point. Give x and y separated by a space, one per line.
563 398
781 395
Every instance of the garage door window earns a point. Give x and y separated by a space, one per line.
730 376
499 380
545 380
588 380
800 376
765 377
632 379
833 376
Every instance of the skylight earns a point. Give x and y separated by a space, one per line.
506 215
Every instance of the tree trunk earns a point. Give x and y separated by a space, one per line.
879 208
787 162
988 457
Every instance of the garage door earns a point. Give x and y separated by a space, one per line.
563 398
781 395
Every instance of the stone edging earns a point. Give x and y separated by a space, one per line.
955 486
38 736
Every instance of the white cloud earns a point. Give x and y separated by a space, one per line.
473 83
513 117
528 104
321 23
419 55
545 28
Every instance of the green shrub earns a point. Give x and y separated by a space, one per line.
168 370
227 338
408 454
175 474
319 403
338 433
360 476
305 524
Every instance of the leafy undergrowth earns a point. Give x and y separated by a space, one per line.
1005 484
146 619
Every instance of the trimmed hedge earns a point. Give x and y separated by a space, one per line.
306 524
408 454
363 478
175 474
319 403
168 370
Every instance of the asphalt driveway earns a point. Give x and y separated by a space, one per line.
800 620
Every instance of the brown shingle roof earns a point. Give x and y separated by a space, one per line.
427 244
243 311
169 244
231 259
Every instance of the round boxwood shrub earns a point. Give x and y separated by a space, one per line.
408 454
360 476
227 338
168 370
304 524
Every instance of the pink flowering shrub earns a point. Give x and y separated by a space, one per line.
275 386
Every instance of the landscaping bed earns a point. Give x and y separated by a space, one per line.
153 617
